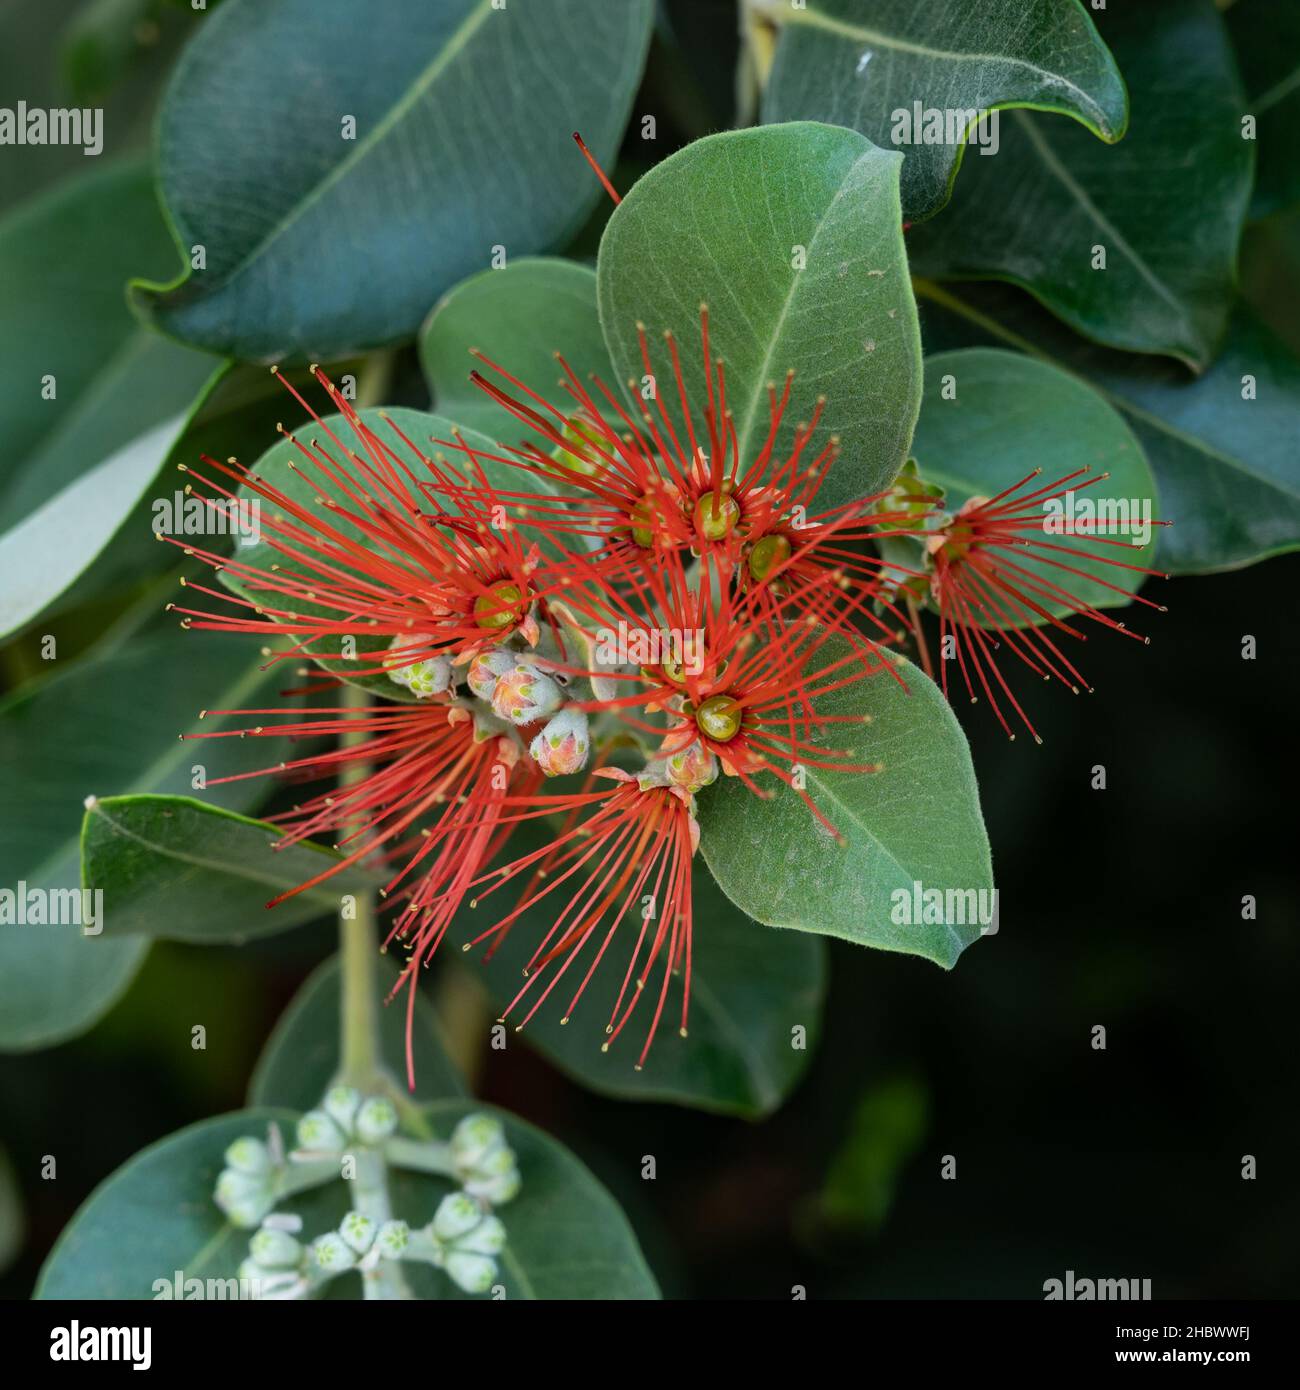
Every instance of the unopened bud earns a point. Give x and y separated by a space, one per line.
272 1249
485 1163
376 1120
358 1231
318 1133
694 767
562 746
393 1238
486 669
330 1253
524 695
248 1155
341 1104
429 676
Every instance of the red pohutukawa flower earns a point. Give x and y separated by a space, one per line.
389 549
999 576
623 590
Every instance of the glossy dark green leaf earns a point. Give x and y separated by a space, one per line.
1165 205
1002 416
520 316
1225 464
176 869
751 989
915 822
726 221
301 1056
109 723
565 1236
861 63
155 1217
343 165
1266 38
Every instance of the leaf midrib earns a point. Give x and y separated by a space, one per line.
1076 190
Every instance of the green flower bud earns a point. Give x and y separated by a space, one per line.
425 678
456 1215
475 1137
473 1273
318 1133
272 1249
485 1163
358 1231
331 1254
497 1190
487 1238
245 1199
376 1120
393 1238
341 1104
249 1155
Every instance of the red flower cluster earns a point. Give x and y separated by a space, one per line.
625 594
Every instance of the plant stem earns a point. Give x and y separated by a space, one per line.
359 1047
359 1021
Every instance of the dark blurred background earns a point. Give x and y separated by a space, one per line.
1119 908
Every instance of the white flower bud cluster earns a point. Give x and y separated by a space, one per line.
484 1162
249 1185
464 1238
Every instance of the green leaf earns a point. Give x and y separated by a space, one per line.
155 1215
74 465
917 821
1166 205
1007 415
174 869
750 988
520 316
109 722
113 509
1266 36
859 63
1224 465
565 1236
725 221
321 239
301 1056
